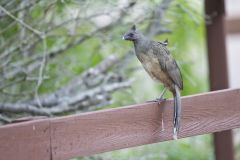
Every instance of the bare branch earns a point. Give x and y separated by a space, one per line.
28 5
38 33
5 119
22 108
76 85
2 86
156 26
78 102
40 74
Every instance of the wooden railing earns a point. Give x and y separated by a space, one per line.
107 130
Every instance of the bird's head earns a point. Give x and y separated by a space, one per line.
132 34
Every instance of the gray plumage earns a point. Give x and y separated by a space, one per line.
160 65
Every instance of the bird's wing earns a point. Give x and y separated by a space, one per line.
174 72
168 64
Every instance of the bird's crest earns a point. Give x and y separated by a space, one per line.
134 27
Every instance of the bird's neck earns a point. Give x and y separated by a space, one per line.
141 44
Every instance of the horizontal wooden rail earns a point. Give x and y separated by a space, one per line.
107 130
233 25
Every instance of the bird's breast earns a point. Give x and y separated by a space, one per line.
151 65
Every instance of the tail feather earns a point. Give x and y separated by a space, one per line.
177 112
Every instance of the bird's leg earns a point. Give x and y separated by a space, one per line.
160 99
162 94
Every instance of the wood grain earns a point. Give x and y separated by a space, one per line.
107 130
232 25
23 141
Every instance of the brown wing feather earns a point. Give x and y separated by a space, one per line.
168 64
174 72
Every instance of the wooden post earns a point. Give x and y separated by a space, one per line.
218 69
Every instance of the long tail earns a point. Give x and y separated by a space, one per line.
177 112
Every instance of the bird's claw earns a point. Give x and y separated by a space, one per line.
158 100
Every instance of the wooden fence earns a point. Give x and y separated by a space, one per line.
108 130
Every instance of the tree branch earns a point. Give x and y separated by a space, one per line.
38 33
155 26
67 104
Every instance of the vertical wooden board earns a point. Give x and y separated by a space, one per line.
218 71
25 141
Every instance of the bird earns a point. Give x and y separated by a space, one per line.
158 62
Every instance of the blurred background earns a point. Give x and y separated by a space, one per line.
64 57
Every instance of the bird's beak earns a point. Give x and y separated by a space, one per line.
126 37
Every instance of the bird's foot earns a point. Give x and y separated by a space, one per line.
158 100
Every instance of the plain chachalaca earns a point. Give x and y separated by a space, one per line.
160 65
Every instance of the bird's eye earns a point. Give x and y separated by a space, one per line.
131 34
